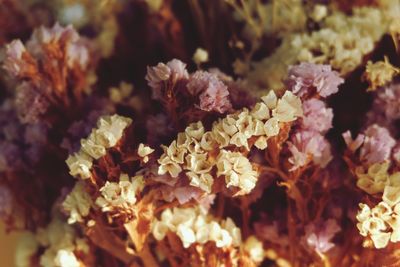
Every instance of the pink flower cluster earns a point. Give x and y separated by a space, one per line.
306 78
207 88
308 143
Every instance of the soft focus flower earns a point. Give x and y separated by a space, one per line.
77 203
14 62
200 56
379 73
255 249
66 258
317 117
386 108
375 179
307 146
305 77
377 146
355 144
319 236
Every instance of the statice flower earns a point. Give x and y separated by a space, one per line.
164 75
379 73
16 59
317 117
305 77
307 146
386 107
213 93
378 144
50 70
319 236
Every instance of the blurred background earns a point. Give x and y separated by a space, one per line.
7 247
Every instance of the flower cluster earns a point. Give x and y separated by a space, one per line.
46 67
308 143
195 149
193 225
119 195
340 41
60 243
235 156
381 223
108 132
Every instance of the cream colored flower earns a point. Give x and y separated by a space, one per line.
195 130
77 203
260 111
66 258
375 179
90 147
237 170
204 181
379 73
288 108
270 99
200 56
271 127
391 195
121 195
79 165
144 151
254 248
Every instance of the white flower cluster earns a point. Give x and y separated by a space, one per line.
121 195
342 42
193 225
77 203
381 223
194 150
108 132
58 241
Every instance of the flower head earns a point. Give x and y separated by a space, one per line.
305 77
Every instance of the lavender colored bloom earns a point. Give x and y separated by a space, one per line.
378 144
319 236
308 76
14 64
172 72
76 50
307 146
213 93
386 107
30 104
159 129
316 116
355 144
